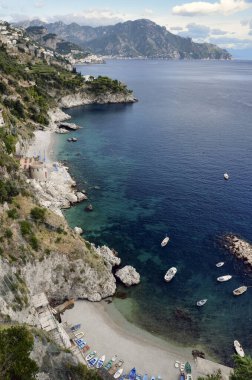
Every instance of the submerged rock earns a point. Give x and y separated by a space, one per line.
128 275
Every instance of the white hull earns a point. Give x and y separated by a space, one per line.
201 302
118 373
220 264
165 241
170 274
239 349
224 278
240 290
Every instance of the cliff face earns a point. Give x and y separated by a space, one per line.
82 98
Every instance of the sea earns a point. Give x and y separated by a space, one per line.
156 167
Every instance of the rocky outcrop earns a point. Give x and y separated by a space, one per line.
109 255
60 276
238 247
78 230
82 98
128 275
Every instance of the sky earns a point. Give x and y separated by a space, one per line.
227 23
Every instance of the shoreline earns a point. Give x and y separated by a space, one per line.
138 348
155 350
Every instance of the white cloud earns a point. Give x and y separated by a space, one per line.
39 4
225 7
90 17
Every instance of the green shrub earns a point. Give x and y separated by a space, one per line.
26 227
13 214
8 233
16 344
34 242
8 190
38 214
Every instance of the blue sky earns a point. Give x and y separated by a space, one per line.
227 23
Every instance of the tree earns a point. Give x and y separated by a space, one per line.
214 376
16 344
242 368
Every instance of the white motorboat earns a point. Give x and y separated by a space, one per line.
238 348
165 241
177 363
202 302
170 274
226 176
240 290
118 373
188 376
224 278
220 264
114 358
100 362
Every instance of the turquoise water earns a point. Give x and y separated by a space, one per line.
159 167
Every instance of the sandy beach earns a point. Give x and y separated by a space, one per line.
42 145
107 332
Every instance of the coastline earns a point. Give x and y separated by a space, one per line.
158 355
108 332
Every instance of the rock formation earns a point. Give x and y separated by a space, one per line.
128 275
239 247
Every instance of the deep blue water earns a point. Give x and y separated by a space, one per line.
159 164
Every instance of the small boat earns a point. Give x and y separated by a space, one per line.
153 378
75 327
90 356
182 367
220 264
85 349
69 139
108 365
170 274
202 302
139 377
92 362
177 363
224 278
132 374
114 358
74 139
182 376
238 348
188 368
145 377
118 373
165 241
240 290
100 362
226 176
188 376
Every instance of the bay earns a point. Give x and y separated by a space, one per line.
158 165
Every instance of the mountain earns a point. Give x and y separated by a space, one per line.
132 39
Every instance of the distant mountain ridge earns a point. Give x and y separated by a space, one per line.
133 39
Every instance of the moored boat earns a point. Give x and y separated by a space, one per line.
75 327
100 362
238 348
165 241
188 367
182 376
220 264
92 362
118 373
170 274
226 176
240 290
145 377
90 356
132 374
224 278
188 376
201 302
